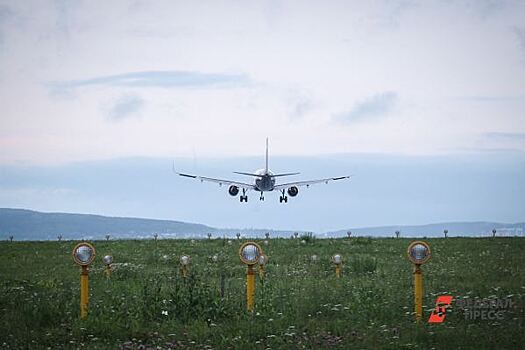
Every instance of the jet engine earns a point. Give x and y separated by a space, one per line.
293 191
233 190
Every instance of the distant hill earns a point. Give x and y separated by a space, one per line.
26 224
29 225
32 225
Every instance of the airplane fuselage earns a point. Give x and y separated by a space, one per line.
264 182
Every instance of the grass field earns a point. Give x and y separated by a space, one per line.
300 304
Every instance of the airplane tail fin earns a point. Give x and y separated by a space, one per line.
266 168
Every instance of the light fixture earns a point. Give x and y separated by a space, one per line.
263 260
249 254
184 262
83 255
108 260
418 253
337 259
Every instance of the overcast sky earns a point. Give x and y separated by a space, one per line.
103 80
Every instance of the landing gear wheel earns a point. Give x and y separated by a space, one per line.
243 197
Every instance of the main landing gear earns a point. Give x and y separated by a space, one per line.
243 197
283 198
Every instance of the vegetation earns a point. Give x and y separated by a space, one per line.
300 304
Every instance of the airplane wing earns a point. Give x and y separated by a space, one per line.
219 181
309 182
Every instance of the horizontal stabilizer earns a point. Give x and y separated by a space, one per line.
248 174
287 174
259 175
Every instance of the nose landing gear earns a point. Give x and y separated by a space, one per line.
261 198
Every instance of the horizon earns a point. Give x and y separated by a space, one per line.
385 190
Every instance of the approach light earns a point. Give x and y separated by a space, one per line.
215 258
418 253
314 258
263 260
83 255
337 259
249 253
108 260
184 262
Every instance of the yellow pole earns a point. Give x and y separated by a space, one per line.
261 271
338 270
184 270
108 271
250 288
84 292
418 292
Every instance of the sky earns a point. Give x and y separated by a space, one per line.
97 85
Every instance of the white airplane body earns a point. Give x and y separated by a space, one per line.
264 182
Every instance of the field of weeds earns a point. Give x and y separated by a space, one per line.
147 304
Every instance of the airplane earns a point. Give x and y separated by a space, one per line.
264 182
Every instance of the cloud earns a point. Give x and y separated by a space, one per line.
299 104
5 15
505 136
162 79
520 36
126 106
487 98
375 106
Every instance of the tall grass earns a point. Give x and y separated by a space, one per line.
146 303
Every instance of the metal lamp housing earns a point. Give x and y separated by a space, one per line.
337 259
249 253
84 254
263 260
419 252
108 259
185 260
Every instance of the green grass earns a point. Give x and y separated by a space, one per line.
300 304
